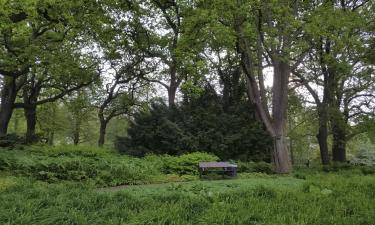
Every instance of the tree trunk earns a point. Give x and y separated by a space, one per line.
322 135
281 155
30 115
51 138
76 132
8 98
172 95
339 139
277 126
102 132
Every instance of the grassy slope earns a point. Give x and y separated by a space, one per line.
321 199
342 198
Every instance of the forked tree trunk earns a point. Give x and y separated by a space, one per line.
8 98
277 125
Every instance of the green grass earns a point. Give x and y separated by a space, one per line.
339 196
99 166
258 200
213 185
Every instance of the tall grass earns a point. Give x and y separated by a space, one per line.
100 166
329 201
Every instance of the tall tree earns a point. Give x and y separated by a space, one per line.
119 97
277 27
336 68
32 30
51 83
164 27
265 34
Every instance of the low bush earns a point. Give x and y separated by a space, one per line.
187 164
101 166
255 167
368 170
11 141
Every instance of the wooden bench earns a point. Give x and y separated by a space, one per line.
225 167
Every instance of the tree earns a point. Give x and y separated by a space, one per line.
275 30
119 98
33 31
260 32
126 66
80 110
52 83
163 32
336 64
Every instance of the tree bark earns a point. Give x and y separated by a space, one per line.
277 125
8 98
322 135
281 155
339 138
102 131
173 85
51 138
76 132
172 95
30 115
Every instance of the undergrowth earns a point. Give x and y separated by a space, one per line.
99 166
323 199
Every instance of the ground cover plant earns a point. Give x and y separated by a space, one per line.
102 167
320 199
51 189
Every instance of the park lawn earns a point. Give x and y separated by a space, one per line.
319 198
86 186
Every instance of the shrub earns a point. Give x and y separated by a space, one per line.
230 134
365 155
186 164
299 176
255 167
52 164
368 170
103 167
337 166
11 141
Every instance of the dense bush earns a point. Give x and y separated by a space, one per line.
203 124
